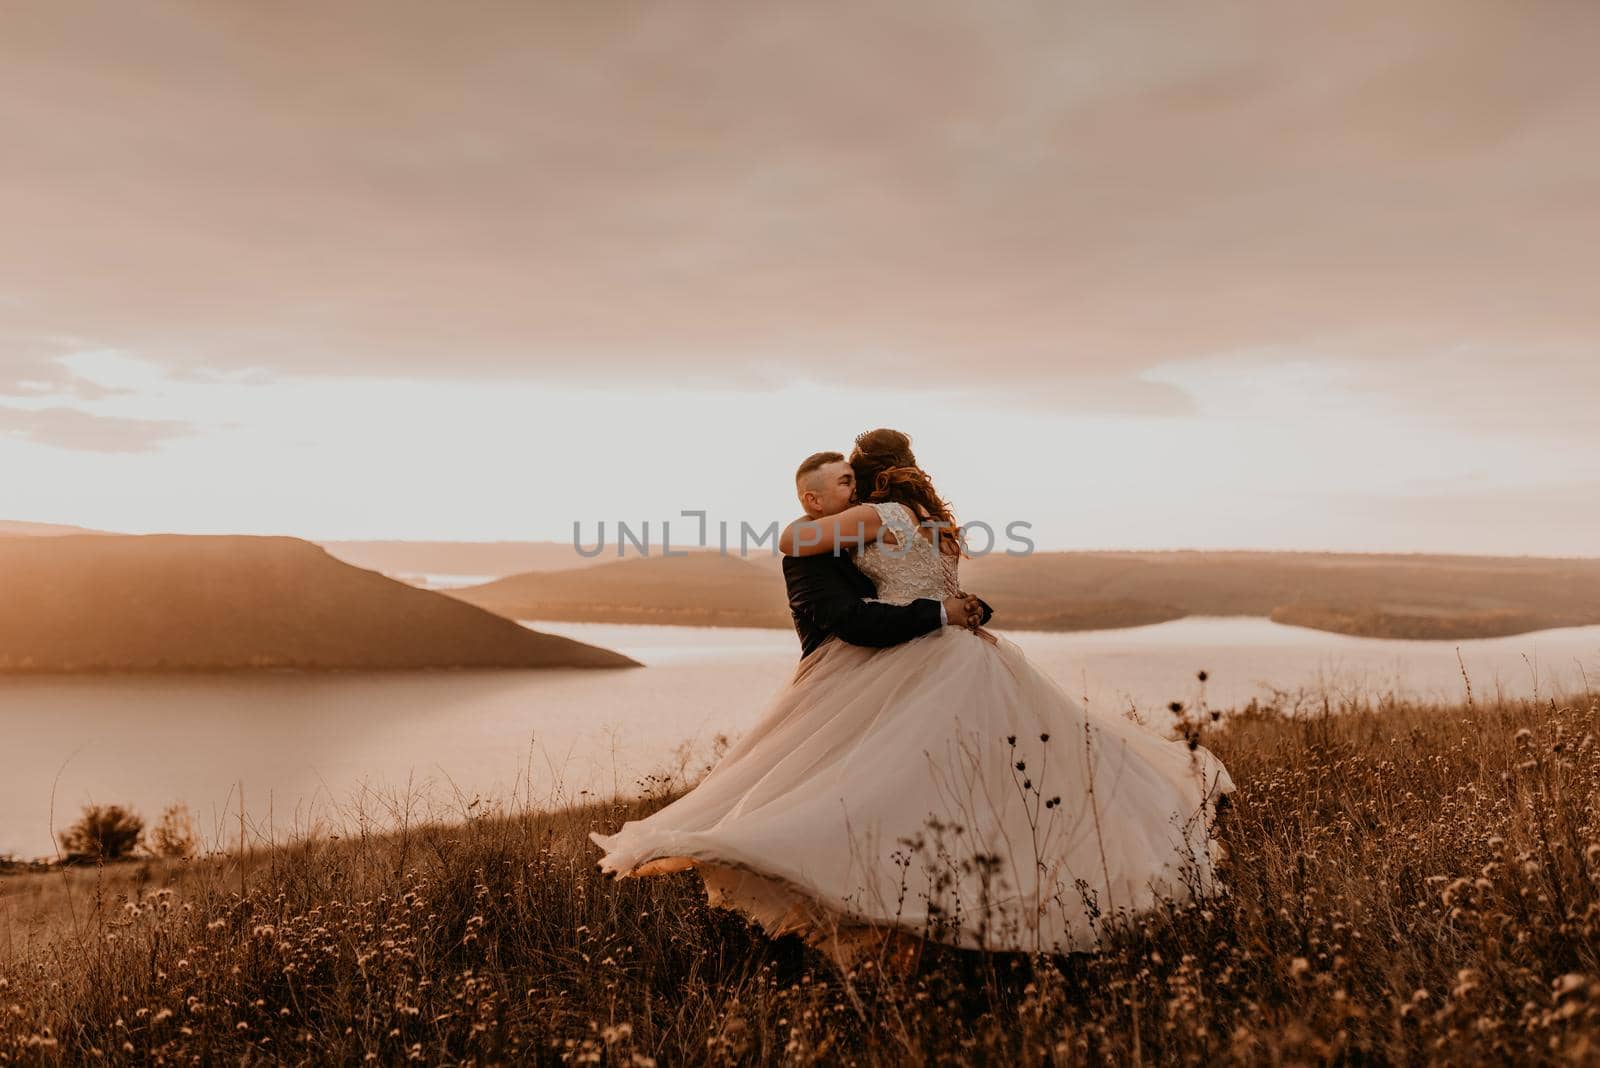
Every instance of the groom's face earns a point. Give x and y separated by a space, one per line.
829 489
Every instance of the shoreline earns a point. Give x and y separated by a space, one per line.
646 617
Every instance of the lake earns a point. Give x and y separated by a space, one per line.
326 750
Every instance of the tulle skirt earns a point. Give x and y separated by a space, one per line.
944 788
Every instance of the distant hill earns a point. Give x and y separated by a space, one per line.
700 589
1368 595
1373 595
1388 596
172 602
407 559
12 528
401 558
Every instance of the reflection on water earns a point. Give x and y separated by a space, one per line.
432 581
304 746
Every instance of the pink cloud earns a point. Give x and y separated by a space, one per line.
73 428
1049 204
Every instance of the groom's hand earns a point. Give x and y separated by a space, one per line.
985 612
962 611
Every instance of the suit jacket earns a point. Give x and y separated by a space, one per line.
828 597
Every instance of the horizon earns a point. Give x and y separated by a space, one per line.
608 555
1312 281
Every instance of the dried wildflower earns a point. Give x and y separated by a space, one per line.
1570 982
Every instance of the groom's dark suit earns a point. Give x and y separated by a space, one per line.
828 597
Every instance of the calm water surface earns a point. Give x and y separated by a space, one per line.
317 750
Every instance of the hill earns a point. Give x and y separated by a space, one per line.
700 589
172 602
1369 595
15 528
1386 596
402 557
463 557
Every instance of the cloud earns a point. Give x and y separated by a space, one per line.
1553 518
1049 200
73 428
33 367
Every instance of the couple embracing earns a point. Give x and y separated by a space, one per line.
918 779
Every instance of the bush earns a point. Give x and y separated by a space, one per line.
174 834
104 832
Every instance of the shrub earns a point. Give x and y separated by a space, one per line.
174 834
105 832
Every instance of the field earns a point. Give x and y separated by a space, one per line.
1408 884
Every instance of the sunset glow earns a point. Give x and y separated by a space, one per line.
1308 280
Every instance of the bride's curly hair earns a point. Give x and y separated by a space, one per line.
886 470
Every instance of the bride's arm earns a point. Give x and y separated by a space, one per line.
857 527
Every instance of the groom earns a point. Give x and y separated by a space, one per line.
828 596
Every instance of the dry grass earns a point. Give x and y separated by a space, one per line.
1409 884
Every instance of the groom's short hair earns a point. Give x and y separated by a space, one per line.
816 460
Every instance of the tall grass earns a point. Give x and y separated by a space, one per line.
1408 883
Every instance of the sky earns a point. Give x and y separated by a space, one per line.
1256 274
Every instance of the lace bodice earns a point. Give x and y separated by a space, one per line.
912 568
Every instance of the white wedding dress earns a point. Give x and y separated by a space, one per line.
915 787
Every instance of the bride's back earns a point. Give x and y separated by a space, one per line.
913 566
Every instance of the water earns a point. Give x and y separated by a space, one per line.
310 749
434 581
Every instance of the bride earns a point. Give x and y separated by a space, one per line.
941 789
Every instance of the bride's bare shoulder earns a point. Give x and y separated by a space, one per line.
897 520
